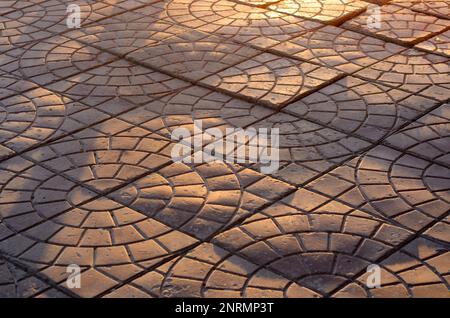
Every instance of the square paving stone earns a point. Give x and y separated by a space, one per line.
15 282
173 49
437 8
201 199
283 253
43 19
117 86
306 149
51 59
270 79
246 24
398 24
408 190
440 230
127 32
439 44
7 6
52 15
415 71
106 156
418 270
330 11
38 115
338 48
180 110
428 137
47 220
193 55
366 109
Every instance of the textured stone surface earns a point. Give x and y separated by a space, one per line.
338 48
415 71
420 269
322 10
437 8
240 22
307 149
51 59
270 79
399 24
398 186
90 116
367 109
439 44
428 137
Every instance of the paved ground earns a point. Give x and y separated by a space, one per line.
86 176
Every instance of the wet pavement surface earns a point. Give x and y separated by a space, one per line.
87 178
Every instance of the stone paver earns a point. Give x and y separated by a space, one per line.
31 117
403 188
438 8
420 270
246 24
51 59
17 283
366 109
308 149
414 71
271 79
429 136
43 19
338 48
281 252
439 44
334 11
90 119
180 110
399 24
118 84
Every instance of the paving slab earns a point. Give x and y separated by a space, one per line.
38 115
365 109
281 252
105 157
118 86
398 24
51 221
52 59
180 110
307 149
403 188
338 48
42 19
415 71
438 8
330 11
12 5
418 270
16 282
89 120
439 44
271 80
201 199
428 137
246 24
440 230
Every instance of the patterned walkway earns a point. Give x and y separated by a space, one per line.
86 176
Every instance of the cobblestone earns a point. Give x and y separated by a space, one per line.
87 123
